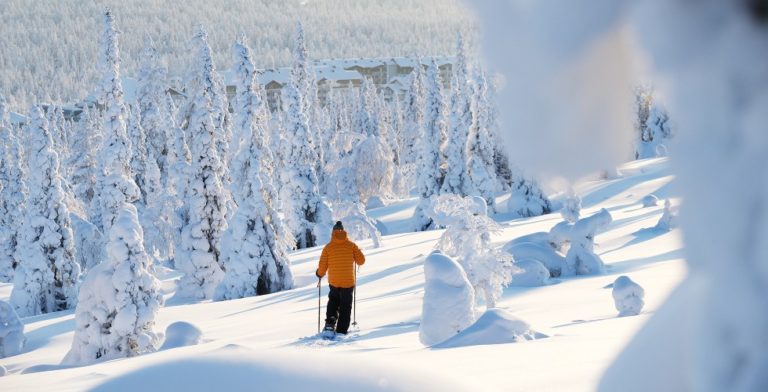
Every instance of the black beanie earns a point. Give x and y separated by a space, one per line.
338 226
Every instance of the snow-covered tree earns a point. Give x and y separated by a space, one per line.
46 277
82 161
527 199
430 160
115 184
198 254
138 149
150 98
306 214
13 194
481 170
413 112
467 238
654 133
581 258
460 121
303 74
449 299
254 247
119 299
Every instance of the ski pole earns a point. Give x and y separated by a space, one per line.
354 296
319 280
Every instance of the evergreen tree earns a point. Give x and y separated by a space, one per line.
198 253
307 216
481 173
115 184
82 162
12 195
456 181
254 247
46 277
431 160
138 150
119 299
150 97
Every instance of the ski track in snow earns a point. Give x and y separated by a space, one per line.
576 313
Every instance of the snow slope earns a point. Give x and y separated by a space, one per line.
265 338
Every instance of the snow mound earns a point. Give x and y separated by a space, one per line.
650 201
11 332
181 334
234 369
540 251
495 326
628 296
531 273
449 299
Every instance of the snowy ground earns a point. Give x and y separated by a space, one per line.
264 340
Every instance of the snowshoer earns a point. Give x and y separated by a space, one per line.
338 260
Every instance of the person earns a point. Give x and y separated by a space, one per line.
338 259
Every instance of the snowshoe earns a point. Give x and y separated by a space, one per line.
328 333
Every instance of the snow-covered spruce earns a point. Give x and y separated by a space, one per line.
46 277
138 150
115 184
13 193
150 99
627 296
253 252
581 258
459 123
449 300
527 199
668 220
467 239
306 214
413 123
652 126
118 301
431 159
481 171
82 161
571 209
156 215
12 338
197 255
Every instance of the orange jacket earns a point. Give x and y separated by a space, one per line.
337 259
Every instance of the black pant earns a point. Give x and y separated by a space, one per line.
339 308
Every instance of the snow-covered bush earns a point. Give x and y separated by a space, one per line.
449 299
560 236
581 258
119 298
530 273
181 334
12 338
467 238
627 296
47 274
527 199
357 223
668 220
650 201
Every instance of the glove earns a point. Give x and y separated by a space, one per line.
318 275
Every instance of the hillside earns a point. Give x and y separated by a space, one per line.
267 341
